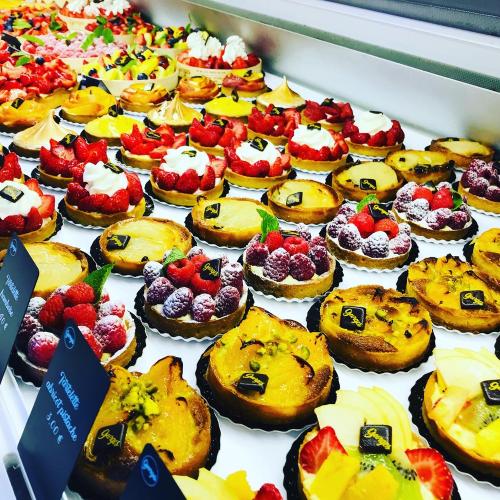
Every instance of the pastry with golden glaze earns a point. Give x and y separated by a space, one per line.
84 105
486 256
273 124
110 128
143 97
229 107
462 151
329 114
246 82
197 89
281 97
175 114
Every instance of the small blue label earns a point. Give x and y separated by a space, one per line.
149 471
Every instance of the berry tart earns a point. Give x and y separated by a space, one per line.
454 295
130 244
368 236
173 113
187 174
10 169
304 200
194 296
229 107
486 256
256 164
143 97
246 82
281 97
230 222
158 407
355 180
316 149
329 114
294 266
25 211
268 372
480 183
86 104
102 194
197 89
61 157
213 135
461 408
145 148
462 151
376 328
364 447
110 127
273 124
373 134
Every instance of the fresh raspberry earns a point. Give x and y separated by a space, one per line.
34 220
227 301
349 237
458 220
492 193
232 275
405 228
438 219
198 261
296 244
376 245
81 293
277 265
208 180
111 333
364 222
388 226
442 199
468 178
15 223
81 314
61 291
117 203
477 164
302 268
257 254
479 186
486 171
188 182
166 180
304 232
274 240
422 192
35 306
29 326
178 303
112 307
134 188
317 241
400 244
418 209
159 291
268 492
151 271
94 344
319 255
195 251
51 313
199 285
180 272
346 210
41 348
104 296
203 307
334 227
403 200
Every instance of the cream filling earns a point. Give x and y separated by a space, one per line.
424 224
360 252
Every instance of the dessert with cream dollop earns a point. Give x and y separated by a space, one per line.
281 97
329 114
273 124
84 105
229 107
246 82
197 89
92 9
110 127
175 114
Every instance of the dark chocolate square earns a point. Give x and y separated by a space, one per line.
368 184
68 140
212 211
220 122
114 168
472 299
294 199
16 103
117 241
258 143
353 318
327 102
123 60
109 440
235 95
375 439
491 391
314 126
379 211
252 382
11 193
151 134
210 270
115 110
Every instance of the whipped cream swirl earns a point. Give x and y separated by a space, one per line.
235 47
184 158
202 46
251 154
315 138
23 205
370 122
102 180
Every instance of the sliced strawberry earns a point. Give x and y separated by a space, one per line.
268 492
208 180
378 140
317 450
47 207
188 182
117 203
134 188
360 138
14 223
32 184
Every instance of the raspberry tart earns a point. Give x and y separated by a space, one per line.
256 164
436 212
213 135
369 236
273 124
480 184
281 97
143 97
110 127
194 296
329 114
246 82
61 157
145 148
486 256
173 113
294 266
316 149
229 107
462 151
86 104
102 194
197 89
373 134
187 174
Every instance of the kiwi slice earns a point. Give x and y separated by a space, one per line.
479 414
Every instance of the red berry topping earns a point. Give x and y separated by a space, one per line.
422 192
33 221
199 285
364 222
442 199
180 272
198 261
111 333
134 188
319 255
159 290
388 226
117 203
188 182
165 180
94 344
268 492
51 313
208 180
257 254
302 268
203 307
81 293
178 303
316 451
227 301
232 275
81 314
29 326
274 240
111 308
277 265
41 348
296 244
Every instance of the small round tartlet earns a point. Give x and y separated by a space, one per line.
197 89
247 82
110 128
173 113
486 256
229 107
143 97
87 104
281 97
375 328
273 124
462 151
329 114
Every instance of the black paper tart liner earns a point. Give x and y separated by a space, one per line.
35 174
467 251
139 309
13 149
239 418
291 471
416 399
150 124
292 175
497 348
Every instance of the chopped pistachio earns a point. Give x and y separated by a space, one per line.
254 365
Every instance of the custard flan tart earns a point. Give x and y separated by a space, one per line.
86 104
462 151
486 256
110 128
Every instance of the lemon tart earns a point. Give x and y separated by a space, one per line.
229 107
84 105
197 89
462 151
142 97
486 256
175 114
111 128
281 97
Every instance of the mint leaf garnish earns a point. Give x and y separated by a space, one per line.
101 20
34 39
21 24
107 36
457 200
175 254
97 279
371 198
23 60
269 223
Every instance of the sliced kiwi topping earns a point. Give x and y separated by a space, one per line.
479 414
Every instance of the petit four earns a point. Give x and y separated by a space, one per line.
175 114
110 127
486 256
86 104
330 114
197 89
462 151
246 82
229 107
143 97
281 97
273 124
480 184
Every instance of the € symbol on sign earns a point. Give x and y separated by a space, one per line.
149 471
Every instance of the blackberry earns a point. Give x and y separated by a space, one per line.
151 271
458 220
319 255
227 301
302 268
376 245
317 241
277 265
439 218
304 232
349 237
29 326
232 275
418 209
476 164
486 171
257 254
203 307
178 303
35 306
400 244
159 291
336 225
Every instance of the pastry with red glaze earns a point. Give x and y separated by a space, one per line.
329 113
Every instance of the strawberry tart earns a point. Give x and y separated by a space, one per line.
329 113
10 169
274 124
246 82
187 174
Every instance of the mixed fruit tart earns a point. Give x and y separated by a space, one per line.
125 26
173 113
194 296
146 148
197 89
281 97
186 174
373 134
461 407
462 151
368 235
86 104
364 447
247 83
111 127
274 124
291 264
436 212
330 114
486 256
171 39
143 97
59 159
29 19
102 194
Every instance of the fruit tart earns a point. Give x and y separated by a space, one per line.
486 256
273 124
130 244
355 180
229 107
106 325
373 134
281 97
143 97
194 296
58 160
256 164
26 211
317 149
213 135
10 168
197 89
268 372
86 104
158 407
367 235
364 447
102 194
110 127
167 40
329 114
462 151
187 174
28 142
285 264
461 408
246 82
231 222
124 24
304 200
375 328
145 148
173 113
480 183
